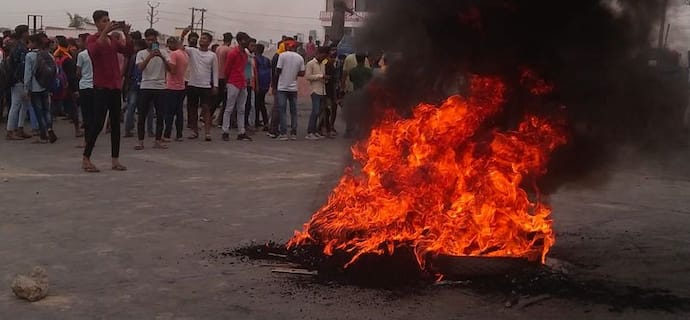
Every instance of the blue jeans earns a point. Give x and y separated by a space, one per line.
316 102
41 106
283 98
132 96
18 109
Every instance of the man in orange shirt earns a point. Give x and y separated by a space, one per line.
177 67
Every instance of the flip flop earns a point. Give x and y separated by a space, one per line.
119 167
91 169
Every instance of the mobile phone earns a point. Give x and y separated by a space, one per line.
155 46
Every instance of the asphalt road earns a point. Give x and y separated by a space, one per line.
134 245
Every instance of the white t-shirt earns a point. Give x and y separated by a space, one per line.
203 68
153 77
84 63
291 64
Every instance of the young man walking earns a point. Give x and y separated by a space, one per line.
290 66
39 70
203 83
153 64
235 69
175 84
107 80
317 77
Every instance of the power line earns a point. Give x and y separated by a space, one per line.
152 18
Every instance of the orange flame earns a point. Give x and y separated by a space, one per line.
440 183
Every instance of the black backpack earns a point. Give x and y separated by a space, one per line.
46 70
5 74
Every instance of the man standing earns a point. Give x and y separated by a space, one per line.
290 66
221 100
66 97
179 60
19 105
153 64
132 82
317 77
39 70
235 69
263 84
250 75
107 80
203 83
311 49
85 73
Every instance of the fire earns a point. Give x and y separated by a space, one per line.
443 182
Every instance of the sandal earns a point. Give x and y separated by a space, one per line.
119 167
138 147
91 169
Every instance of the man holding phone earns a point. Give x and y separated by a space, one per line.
153 64
107 82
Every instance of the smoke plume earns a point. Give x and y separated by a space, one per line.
596 54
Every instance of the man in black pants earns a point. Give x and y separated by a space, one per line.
103 50
153 64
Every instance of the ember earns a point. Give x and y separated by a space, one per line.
444 181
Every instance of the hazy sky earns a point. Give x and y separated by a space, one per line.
263 19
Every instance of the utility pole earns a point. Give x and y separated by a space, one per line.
194 21
662 26
338 20
203 15
152 18
32 20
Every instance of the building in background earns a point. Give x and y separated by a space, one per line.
353 22
68 32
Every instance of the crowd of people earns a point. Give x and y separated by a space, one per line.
115 75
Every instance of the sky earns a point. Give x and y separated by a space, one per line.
262 19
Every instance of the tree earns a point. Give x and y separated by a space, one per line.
77 21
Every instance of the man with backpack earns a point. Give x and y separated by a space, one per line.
40 74
19 104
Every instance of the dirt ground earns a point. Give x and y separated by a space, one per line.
135 245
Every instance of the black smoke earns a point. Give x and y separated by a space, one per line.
597 55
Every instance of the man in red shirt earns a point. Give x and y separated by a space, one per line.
235 66
107 82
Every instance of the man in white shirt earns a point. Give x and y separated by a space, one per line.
203 83
153 64
316 75
290 66
85 74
